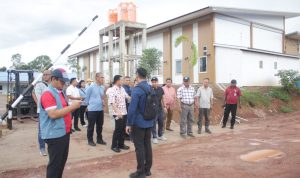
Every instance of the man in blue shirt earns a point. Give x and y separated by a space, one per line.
140 128
95 101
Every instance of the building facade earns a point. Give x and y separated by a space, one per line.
247 45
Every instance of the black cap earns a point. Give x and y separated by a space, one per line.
186 79
154 79
233 81
61 74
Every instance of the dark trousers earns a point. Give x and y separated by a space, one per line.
203 112
95 118
230 108
75 115
119 133
159 120
168 118
143 149
82 110
58 150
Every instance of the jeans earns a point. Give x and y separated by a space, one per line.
186 119
41 141
203 112
75 115
159 120
230 108
58 150
95 118
82 110
119 133
143 149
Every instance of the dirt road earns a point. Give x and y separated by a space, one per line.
261 148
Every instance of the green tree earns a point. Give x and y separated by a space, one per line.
3 69
150 60
16 60
183 38
73 65
39 63
288 79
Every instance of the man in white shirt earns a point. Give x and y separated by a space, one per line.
204 101
73 94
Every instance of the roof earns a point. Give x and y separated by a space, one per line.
200 13
294 35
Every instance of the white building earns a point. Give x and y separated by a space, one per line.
247 45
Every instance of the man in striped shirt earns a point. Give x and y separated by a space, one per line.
186 95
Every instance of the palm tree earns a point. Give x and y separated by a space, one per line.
183 38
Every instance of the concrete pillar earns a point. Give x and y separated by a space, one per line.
130 70
101 55
144 38
122 49
110 51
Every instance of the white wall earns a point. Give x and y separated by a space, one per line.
244 67
196 42
232 31
272 21
267 39
156 41
176 54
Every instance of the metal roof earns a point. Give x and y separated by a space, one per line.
294 35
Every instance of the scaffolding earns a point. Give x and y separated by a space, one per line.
124 40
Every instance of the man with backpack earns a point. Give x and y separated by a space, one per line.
141 114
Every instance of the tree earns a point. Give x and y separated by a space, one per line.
39 63
3 69
73 65
16 60
150 60
288 79
193 58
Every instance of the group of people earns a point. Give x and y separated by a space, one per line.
126 106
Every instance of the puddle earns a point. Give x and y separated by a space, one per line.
259 155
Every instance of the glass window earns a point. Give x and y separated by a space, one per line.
261 64
203 64
275 65
178 66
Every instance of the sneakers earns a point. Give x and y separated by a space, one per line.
199 131
43 152
85 126
208 131
155 141
77 129
92 143
169 129
223 126
232 127
117 150
191 135
137 175
162 138
101 142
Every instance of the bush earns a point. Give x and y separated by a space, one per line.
286 109
280 93
254 98
288 79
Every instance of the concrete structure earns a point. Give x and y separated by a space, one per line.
248 45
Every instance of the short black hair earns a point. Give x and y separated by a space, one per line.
117 78
71 80
169 79
141 72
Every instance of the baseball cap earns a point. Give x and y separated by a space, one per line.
233 81
154 79
186 79
61 74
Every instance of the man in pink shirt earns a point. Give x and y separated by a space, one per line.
169 99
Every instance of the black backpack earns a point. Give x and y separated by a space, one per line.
151 107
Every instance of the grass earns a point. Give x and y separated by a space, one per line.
254 98
286 109
280 93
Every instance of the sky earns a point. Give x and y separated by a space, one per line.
45 27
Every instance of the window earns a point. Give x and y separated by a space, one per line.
261 64
178 66
202 64
1 88
275 65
